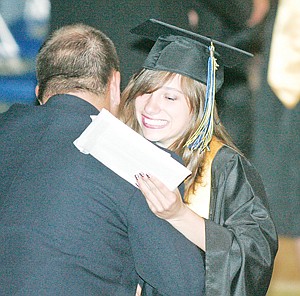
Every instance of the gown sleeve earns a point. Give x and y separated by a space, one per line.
165 260
241 239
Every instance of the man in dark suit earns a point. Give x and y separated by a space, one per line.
68 224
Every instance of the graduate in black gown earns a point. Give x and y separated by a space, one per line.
225 212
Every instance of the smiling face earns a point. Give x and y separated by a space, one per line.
163 115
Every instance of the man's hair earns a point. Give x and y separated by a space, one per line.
75 58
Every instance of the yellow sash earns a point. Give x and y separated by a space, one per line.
200 199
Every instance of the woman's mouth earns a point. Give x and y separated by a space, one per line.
154 123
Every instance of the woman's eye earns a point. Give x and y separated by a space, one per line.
171 98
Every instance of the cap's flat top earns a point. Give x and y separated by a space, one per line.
153 28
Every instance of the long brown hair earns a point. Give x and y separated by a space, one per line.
147 81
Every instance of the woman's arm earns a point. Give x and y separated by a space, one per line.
168 205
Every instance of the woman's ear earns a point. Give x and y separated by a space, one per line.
115 95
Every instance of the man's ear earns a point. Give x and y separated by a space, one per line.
37 88
115 95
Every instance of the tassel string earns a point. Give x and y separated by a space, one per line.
203 135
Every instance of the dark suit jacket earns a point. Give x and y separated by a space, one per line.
69 225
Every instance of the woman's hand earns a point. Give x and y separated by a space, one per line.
168 205
164 203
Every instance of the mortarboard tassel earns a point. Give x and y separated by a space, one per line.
202 137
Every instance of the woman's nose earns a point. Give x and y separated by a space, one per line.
152 105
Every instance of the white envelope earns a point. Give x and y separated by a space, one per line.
127 153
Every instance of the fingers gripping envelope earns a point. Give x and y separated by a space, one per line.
127 153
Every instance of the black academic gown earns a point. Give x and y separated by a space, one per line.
69 225
241 239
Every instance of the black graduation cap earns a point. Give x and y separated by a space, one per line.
198 57
188 55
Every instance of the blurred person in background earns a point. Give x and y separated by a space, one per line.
116 18
277 123
237 23
23 28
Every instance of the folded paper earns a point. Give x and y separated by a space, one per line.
127 153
